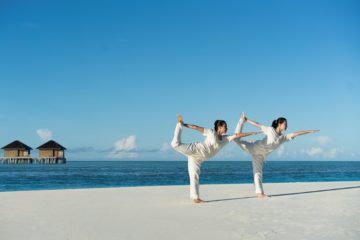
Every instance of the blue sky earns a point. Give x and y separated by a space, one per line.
107 78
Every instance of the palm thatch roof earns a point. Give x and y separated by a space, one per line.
51 145
17 145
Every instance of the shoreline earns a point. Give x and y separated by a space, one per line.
312 210
168 185
212 160
219 160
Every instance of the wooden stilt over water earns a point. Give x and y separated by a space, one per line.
17 152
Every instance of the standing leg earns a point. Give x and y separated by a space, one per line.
194 164
258 164
194 175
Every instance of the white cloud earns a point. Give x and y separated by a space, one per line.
281 151
317 152
45 134
314 152
124 148
231 152
331 153
165 147
125 144
323 140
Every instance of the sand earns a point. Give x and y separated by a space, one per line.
327 210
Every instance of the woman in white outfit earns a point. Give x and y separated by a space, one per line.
260 149
200 151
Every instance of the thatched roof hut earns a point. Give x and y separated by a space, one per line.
16 149
51 149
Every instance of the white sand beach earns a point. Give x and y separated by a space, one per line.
328 210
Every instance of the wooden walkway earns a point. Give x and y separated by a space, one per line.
32 160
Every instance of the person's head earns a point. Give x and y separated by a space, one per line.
220 126
280 124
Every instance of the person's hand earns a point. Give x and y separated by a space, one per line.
314 131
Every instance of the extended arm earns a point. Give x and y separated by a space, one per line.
195 127
192 126
252 122
299 133
240 135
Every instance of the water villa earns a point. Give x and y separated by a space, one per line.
17 152
51 152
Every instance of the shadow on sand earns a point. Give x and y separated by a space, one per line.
286 194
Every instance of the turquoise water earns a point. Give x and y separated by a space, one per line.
95 174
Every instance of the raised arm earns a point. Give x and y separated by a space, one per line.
252 122
192 126
299 133
195 127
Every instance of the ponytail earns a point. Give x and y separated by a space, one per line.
275 123
278 121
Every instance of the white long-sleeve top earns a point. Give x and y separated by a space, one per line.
265 146
211 145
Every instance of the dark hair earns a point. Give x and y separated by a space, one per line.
219 123
278 121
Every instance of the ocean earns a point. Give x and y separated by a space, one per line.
104 174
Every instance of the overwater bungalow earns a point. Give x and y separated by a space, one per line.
17 153
51 152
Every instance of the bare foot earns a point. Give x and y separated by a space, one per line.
262 195
180 119
198 200
243 117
